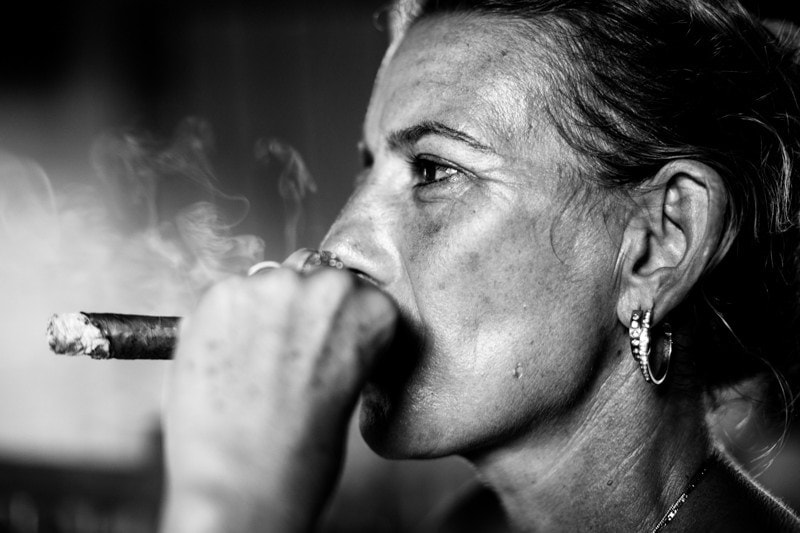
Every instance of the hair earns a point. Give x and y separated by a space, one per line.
637 83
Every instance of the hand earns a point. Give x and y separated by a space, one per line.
266 375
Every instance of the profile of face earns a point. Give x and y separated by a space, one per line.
468 215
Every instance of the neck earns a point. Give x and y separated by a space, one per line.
615 463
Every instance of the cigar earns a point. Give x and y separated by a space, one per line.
113 336
118 336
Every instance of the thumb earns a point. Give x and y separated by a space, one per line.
362 330
377 316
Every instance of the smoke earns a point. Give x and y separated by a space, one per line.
147 233
147 180
294 184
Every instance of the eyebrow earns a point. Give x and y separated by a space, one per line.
408 136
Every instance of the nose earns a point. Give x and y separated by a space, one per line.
364 235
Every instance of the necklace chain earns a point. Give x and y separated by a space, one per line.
673 510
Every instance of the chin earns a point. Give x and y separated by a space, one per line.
391 432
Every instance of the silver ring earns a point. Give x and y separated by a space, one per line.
303 260
261 266
323 258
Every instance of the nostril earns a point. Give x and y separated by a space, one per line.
366 255
363 275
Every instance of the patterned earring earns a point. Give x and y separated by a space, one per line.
640 337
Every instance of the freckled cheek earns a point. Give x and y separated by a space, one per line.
440 254
464 266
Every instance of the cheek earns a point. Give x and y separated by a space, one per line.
474 276
507 311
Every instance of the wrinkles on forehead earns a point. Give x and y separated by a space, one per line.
485 75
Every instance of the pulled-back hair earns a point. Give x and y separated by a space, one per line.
637 83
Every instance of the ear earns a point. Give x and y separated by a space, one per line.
670 238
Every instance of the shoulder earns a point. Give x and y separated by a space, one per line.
731 501
727 500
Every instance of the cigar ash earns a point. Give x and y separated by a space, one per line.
75 334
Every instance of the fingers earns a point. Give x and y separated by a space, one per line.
361 323
370 315
320 331
267 372
297 260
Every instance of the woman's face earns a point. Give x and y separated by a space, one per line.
467 214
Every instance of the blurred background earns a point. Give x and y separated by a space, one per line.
118 119
143 148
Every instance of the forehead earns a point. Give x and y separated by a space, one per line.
477 72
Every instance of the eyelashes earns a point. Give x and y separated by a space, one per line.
426 170
432 171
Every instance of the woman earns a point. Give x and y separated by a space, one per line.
550 188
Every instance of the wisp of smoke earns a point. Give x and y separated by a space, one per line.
294 184
118 242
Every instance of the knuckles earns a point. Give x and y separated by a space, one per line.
283 292
330 283
278 298
276 286
320 331
345 293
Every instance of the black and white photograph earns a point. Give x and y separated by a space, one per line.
403 266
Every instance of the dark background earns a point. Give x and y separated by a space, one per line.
298 71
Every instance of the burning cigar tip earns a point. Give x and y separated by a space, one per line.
75 334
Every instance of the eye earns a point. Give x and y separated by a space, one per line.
430 171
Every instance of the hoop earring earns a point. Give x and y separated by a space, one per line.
640 337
